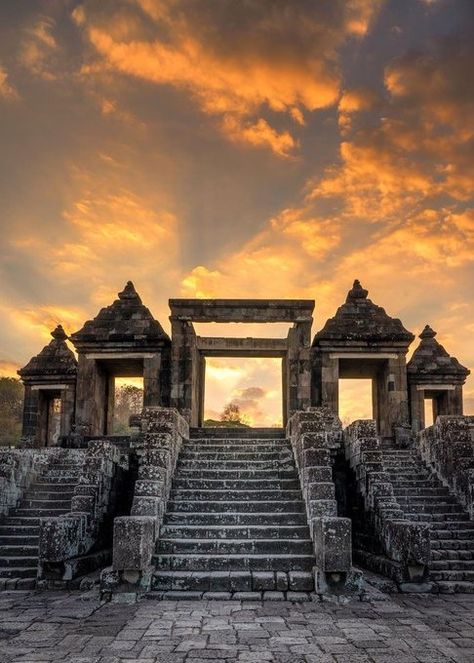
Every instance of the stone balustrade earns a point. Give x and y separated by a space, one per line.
316 438
448 448
157 448
76 543
406 544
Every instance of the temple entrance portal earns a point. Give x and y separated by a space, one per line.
189 351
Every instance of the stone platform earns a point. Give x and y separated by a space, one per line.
75 627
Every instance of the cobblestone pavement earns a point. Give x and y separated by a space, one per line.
57 626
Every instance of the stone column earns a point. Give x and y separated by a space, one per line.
183 369
90 396
330 382
417 408
68 401
30 412
151 380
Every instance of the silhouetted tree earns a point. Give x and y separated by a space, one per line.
128 401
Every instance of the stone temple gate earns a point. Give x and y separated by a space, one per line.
179 510
189 351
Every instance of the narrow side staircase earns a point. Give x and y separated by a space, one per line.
423 497
49 495
236 524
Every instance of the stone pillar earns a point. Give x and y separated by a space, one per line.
184 370
454 401
90 396
110 404
330 382
417 408
151 381
397 392
30 412
68 402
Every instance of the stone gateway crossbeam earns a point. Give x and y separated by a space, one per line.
177 509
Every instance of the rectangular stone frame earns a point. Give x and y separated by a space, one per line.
189 351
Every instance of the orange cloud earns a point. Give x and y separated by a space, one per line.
7 90
281 58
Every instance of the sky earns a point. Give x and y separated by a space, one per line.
236 148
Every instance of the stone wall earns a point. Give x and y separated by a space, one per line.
157 449
316 438
79 541
448 447
406 544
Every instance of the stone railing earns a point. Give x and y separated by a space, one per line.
406 544
18 469
448 448
78 542
157 448
316 438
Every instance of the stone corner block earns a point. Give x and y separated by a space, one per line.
332 544
134 542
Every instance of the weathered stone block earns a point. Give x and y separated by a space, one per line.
333 544
134 542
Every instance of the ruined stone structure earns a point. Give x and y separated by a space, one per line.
176 509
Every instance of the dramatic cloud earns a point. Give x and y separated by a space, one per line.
266 148
237 60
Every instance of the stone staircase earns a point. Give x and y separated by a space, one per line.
49 495
235 525
423 497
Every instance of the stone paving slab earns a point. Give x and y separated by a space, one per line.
57 626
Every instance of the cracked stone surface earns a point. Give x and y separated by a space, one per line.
77 628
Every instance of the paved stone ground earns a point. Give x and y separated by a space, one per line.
57 626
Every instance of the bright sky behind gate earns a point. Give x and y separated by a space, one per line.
227 148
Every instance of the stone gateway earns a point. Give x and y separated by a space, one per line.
177 510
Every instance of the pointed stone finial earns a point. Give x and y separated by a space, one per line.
357 291
59 334
427 332
128 292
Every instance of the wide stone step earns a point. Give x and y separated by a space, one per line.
232 518
235 455
234 531
39 494
21 521
429 501
233 581
452 565
459 587
433 508
18 550
235 546
45 505
453 576
19 571
234 506
18 530
236 484
452 554
452 543
62 478
452 530
23 561
437 518
273 473
427 491
38 513
18 540
193 562
238 433
236 495
232 447
234 465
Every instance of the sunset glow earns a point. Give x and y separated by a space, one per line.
231 149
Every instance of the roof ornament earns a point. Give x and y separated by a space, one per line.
128 292
59 334
427 332
357 292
